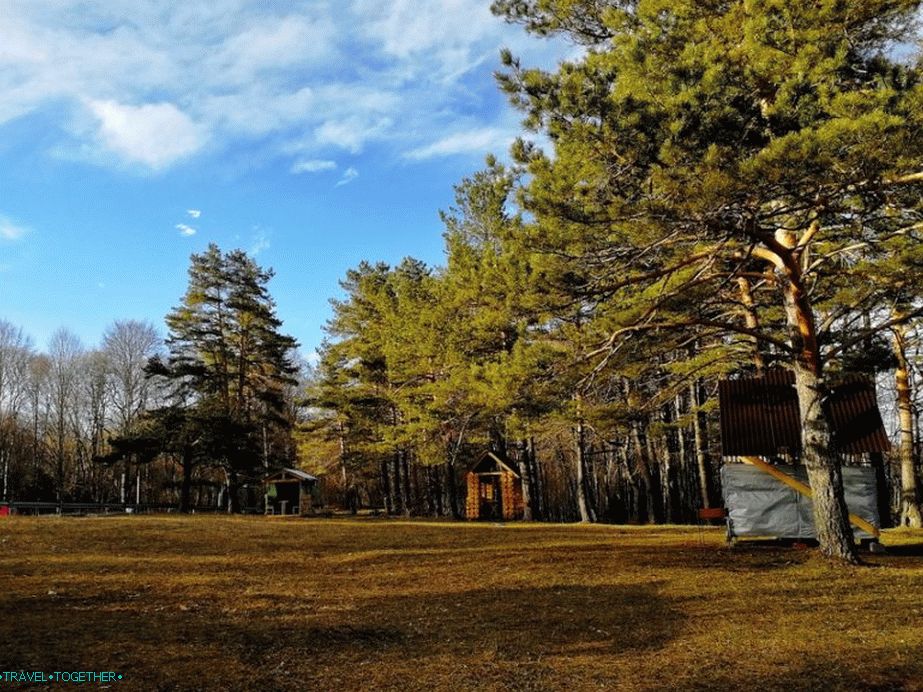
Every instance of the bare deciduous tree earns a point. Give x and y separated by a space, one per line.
15 352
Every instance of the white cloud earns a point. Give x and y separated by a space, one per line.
10 230
185 230
455 35
257 110
194 213
313 166
349 175
470 141
350 134
260 242
153 83
155 135
274 44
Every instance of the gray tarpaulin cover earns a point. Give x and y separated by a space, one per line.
760 505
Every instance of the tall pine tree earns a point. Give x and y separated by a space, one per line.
230 361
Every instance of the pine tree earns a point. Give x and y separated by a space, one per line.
230 361
695 137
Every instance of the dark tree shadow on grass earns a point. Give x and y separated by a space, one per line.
163 647
906 550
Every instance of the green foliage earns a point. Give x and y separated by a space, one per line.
692 131
229 363
596 285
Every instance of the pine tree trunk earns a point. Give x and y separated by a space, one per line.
525 474
687 477
647 507
656 496
386 495
405 475
538 501
233 500
700 431
444 480
882 489
349 493
452 489
6 473
625 488
429 495
667 471
186 482
751 320
583 504
831 518
667 454
438 492
650 504
397 488
910 515
681 465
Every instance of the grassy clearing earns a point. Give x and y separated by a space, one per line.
246 603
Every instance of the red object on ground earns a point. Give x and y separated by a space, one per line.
4 511
713 513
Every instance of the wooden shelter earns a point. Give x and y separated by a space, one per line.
289 491
760 417
494 489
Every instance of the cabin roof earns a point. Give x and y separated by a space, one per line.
760 416
282 474
490 462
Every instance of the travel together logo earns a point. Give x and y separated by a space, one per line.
78 677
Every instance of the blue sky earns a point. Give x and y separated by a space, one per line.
311 134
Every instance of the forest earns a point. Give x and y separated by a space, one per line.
153 423
711 190
727 188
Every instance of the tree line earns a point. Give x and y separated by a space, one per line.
726 187
57 408
185 421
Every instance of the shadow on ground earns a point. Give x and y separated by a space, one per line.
493 626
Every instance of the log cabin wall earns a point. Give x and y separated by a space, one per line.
511 491
473 501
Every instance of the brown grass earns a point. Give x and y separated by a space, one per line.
258 603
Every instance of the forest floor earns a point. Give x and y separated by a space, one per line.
262 603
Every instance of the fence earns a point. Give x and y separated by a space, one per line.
84 508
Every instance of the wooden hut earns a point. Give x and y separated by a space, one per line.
289 491
494 489
768 494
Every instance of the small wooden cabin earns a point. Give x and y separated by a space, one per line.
289 491
494 490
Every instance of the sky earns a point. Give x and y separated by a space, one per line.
311 134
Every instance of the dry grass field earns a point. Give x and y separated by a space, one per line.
261 603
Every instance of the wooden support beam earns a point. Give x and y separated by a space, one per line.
797 485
